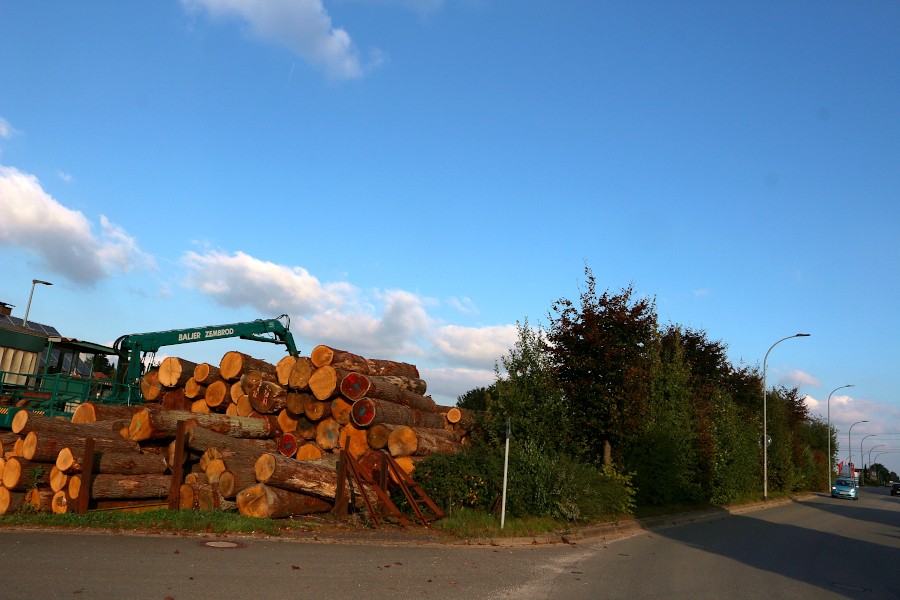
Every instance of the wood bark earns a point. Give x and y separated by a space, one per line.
299 476
117 486
147 424
20 474
26 421
419 441
174 399
267 502
325 355
45 447
89 412
10 501
390 367
125 463
234 364
174 371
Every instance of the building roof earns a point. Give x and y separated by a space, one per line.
15 324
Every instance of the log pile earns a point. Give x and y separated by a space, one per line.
258 438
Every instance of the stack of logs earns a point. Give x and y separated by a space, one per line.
260 438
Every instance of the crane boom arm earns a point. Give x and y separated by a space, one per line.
131 347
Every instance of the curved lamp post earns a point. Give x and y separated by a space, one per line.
872 448
765 438
850 445
829 429
861 455
30 296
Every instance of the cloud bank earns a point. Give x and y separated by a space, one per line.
63 238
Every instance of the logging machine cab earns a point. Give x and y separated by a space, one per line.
65 376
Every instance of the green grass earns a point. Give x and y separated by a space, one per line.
203 521
468 523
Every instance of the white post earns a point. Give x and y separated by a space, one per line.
505 471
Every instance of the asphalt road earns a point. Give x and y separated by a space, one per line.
818 548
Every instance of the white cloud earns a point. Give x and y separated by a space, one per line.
241 280
6 130
445 385
62 237
302 26
797 378
65 176
475 346
463 305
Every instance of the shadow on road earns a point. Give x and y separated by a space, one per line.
854 560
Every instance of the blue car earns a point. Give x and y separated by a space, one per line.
844 487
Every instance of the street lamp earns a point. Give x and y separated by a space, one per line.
861 450
829 429
765 440
30 296
872 448
850 445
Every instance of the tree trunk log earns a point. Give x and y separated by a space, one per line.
353 440
194 390
216 395
267 502
316 411
10 501
25 422
340 410
205 373
151 389
174 399
326 356
20 474
418 441
355 386
39 499
298 476
377 435
61 503
90 412
309 451
300 373
58 479
325 382
45 447
124 463
235 364
148 424
371 411
296 402
268 398
283 370
390 367
174 371
327 433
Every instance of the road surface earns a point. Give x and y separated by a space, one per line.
818 548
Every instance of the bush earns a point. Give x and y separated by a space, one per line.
540 484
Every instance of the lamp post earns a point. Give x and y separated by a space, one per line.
30 296
829 429
765 438
850 444
872 448
860 447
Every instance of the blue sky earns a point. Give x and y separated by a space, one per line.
408 179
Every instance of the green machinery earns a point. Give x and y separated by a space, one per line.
55 393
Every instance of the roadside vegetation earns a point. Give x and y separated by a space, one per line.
613 414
